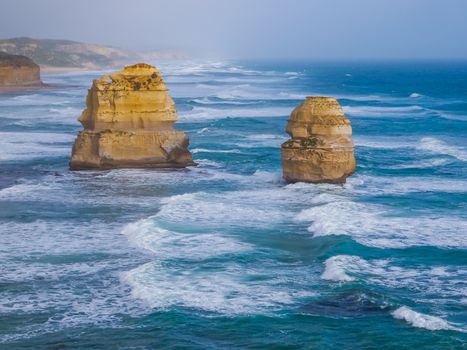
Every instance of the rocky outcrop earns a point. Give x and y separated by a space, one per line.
128 122
18 71
321 147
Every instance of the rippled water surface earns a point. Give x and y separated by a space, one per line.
226 255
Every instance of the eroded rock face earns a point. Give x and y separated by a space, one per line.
18 71
321 147
128 122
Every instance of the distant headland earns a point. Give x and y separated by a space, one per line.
67 55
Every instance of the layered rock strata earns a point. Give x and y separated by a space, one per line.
128 122
18 71
321 147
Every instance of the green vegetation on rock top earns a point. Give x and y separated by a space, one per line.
7 60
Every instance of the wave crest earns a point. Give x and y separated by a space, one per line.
420 320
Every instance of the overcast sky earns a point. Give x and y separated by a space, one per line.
294 29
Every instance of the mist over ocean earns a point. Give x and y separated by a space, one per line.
225 254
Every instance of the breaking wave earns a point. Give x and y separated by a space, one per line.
433 145
420 320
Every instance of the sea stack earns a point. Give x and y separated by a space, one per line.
128 123
321 147
18 71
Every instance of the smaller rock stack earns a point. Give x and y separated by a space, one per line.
18 71
128 123
321 147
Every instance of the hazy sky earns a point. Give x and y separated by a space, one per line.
314 29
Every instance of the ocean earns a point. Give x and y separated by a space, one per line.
226 255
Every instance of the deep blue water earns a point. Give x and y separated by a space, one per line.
226 255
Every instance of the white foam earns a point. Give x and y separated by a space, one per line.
251 79
359 98
207 211
436 146
364 184
424 146
28 100
196 226
18 145
261 140
54 238
208 171
422 164
209 163
33 110
57 260
444 282
18 191
230 289
380 111
380 227
367 98
262 137
452 116
203 68
335 268
205 113
247 93
384 142
338 267
292 96
214 173
202 131
65 111
79 188
420 320
207 101
205 150
166 244
415 95
266 176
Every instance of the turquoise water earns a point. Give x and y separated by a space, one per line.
226 255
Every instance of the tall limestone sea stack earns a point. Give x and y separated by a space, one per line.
128 123
321 147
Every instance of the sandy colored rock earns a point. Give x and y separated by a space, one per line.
321 148
128 122
18 71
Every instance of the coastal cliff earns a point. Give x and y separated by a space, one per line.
18 71
321 147
65 55
128 122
